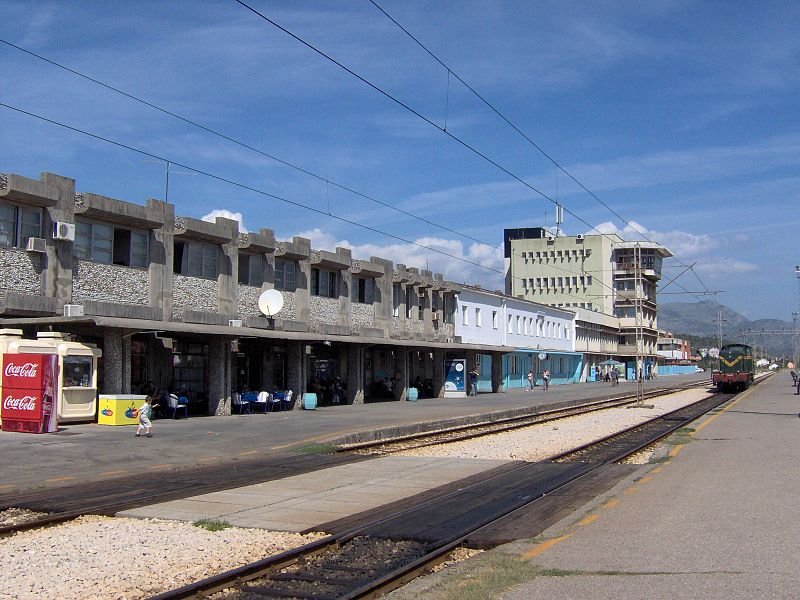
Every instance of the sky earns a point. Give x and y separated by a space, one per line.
671 121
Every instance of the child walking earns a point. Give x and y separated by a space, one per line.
145 412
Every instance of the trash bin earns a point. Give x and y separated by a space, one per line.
309 401
413 394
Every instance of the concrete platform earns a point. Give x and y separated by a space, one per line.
718 520
90 452
305 501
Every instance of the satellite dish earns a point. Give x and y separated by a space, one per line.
270 302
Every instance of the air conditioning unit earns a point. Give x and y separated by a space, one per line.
63 231
551 239
36 245
73 310
235 323
579 237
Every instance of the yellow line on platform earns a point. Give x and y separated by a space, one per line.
7 487
54 479
117 472
164 466
543 547
611 503
249 452
588 520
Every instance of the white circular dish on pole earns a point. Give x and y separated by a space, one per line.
270 302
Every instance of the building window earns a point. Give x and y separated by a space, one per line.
285 275
465 315
196 259
103 243
397 290
409 301
477 317
449 308
251 269
323 283
18 223
363 290
510 324
494 319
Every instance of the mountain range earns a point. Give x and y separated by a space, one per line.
700 320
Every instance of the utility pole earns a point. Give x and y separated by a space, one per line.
794 339
720 321
639 305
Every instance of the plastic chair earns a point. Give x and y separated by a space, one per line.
263 400
276 402
239 401
176 405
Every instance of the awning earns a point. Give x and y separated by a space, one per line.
179 327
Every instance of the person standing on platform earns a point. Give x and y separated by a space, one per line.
145 413
614 378
530 381
473 382
546 379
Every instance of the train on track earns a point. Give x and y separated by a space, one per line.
736 368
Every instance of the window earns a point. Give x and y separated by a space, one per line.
449 308
465 315
104 243
196 259
588 280
477 317
77 371
510 324
285 275
18 223
323 283
397 290
494 319
251 269
519 325
409 301
363 290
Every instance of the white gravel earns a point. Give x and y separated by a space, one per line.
539 442
101 557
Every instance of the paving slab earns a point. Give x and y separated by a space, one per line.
304 501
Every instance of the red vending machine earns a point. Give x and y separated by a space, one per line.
28 393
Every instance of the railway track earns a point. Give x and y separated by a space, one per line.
387 550
467 432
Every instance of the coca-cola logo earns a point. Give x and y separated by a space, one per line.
24 403
27 369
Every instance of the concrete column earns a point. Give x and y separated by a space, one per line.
220 369
57 282
401 373
296 368
438 373
497 372
302 295
162 256
355 374
126 365
112 362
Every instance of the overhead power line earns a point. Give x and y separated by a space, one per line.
429 121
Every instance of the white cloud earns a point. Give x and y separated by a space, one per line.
221 212
478 263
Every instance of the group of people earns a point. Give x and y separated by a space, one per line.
532 380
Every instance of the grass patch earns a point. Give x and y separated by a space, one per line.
680 436
317 449
212 524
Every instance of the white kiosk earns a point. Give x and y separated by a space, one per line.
77 370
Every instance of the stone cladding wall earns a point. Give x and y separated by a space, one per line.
193 293
289 310
20 271
247 301
109 283
363 315
324 310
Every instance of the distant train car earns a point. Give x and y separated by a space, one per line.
736 367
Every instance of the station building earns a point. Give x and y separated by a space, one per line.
593 272
542 337
173 302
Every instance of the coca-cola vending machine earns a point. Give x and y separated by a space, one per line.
28 393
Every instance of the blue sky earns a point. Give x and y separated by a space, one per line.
679 116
